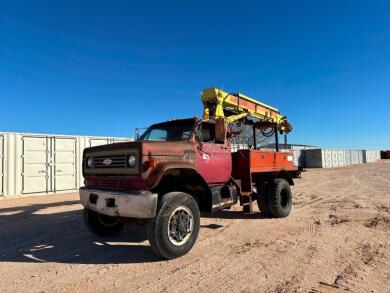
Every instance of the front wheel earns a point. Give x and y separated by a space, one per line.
100 224
174 230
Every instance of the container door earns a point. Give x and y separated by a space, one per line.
35 164
64 158
97 141
327 160
1 165
341 157
334 157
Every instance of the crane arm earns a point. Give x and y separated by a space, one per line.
233 107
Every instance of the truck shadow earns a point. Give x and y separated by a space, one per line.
30 235
55 232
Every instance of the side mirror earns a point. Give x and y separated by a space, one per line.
220 129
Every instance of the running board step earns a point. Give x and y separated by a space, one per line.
223 196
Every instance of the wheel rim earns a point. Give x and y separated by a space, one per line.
108 221
180 226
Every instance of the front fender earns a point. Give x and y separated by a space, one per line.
163 168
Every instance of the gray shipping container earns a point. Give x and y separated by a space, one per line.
316 158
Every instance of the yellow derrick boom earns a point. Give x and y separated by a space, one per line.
218 103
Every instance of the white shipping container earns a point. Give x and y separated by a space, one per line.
360 157
326 158
347 155
43 163
354 157
336 156
340 159
370 156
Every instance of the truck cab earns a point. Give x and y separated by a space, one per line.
174 171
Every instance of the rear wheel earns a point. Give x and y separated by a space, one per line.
279 198
174 230
262 199
100 224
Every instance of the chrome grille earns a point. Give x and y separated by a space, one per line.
109 183
117 161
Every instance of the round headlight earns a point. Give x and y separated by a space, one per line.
131 160
90 163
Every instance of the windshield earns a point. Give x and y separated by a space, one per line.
170 131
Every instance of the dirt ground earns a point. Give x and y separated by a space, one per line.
337 239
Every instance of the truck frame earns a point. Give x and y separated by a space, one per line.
180 168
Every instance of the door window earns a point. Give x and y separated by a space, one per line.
206 133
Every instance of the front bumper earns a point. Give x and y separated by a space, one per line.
120 204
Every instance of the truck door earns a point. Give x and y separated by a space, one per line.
213 159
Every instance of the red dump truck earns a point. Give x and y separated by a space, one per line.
180 168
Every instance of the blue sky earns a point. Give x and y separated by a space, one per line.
106 67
